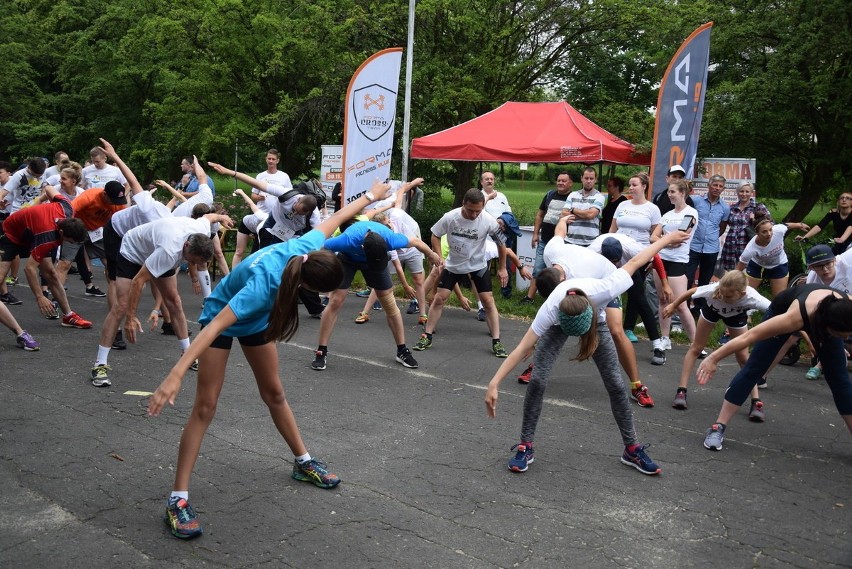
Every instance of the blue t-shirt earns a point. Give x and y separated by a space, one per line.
192 185
250 289
349 242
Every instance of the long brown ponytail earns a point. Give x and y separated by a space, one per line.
321 271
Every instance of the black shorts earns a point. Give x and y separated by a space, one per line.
112 246
9 250
378 279
127 269
674 269
244 229
225 342
736 321
481 279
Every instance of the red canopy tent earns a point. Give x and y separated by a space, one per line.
528 132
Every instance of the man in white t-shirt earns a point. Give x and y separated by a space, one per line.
467 229
496 204
23 187
152 252
54 170
99 173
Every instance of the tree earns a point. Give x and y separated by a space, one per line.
781 91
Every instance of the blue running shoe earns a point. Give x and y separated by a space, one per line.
631 336
413 307
181 518
524 456
363 293
715 437
314 471
640 460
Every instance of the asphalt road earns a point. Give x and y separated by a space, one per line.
85 472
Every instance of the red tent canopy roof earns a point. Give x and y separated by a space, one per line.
528 132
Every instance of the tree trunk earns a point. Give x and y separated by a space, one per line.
814 183
462 183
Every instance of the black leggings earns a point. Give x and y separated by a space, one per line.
637 305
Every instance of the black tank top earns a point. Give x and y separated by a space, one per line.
781 303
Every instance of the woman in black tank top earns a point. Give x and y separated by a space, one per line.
824 313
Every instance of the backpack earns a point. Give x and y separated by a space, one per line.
310 188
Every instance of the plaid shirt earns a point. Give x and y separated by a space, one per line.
737 237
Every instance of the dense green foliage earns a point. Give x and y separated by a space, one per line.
163 79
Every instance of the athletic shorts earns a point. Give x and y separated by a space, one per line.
378 279
711 315
225 342
674 269
412 261
112 247
9 250
755 271
481 279
127 269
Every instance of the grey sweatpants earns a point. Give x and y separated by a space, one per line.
605 357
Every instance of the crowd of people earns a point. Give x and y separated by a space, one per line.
682 261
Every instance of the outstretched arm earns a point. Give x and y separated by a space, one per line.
134 184
520 353
175 194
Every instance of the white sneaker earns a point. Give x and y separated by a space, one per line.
665 343
676 329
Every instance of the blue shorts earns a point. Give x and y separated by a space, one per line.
755 271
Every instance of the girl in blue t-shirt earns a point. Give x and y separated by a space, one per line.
257 304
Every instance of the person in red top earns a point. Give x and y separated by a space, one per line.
33 233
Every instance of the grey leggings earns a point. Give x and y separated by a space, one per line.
605 357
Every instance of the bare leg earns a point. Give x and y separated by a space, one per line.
211 376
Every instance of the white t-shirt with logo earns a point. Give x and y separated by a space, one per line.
94 177
767 256
671 222
466 239
752 300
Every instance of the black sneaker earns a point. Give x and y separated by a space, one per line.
10 299
167 329
659 357
527 300
791 357
95 291
119 343
405 358
320 361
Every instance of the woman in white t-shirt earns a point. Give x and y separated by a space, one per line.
764 257
729 300
638 219
676 257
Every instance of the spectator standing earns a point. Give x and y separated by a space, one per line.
586 206
713 215
549 212
841 220
743 214
615 189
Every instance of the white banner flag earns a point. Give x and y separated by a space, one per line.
370 118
